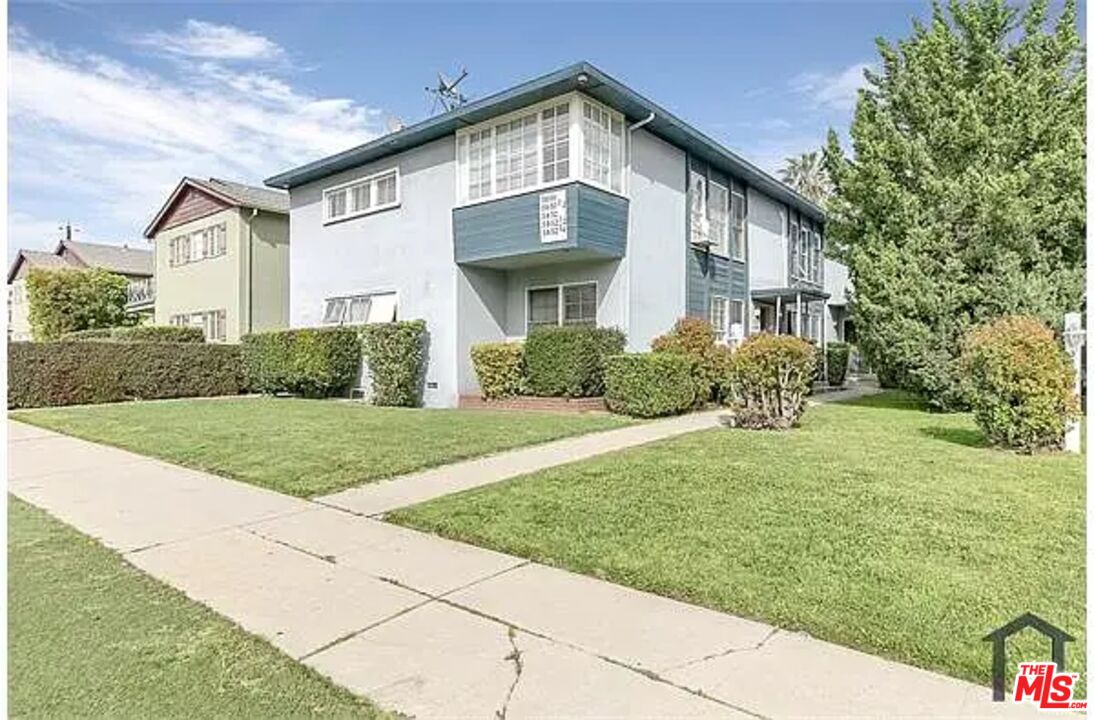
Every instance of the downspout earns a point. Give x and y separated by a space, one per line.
630 146
250 272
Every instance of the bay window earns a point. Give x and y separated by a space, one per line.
568 138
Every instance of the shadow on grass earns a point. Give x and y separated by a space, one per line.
957 436
889 400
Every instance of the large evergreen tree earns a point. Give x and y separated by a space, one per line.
964 198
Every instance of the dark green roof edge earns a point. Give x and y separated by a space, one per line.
600 86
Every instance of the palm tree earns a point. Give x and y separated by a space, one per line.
805 173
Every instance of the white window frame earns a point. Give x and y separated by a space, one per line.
719 304
732 338
575 139
215 320
350 298
697 207
195 245
719 240
741 252
370 181
561 301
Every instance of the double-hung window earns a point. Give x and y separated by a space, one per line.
719 317
515 154
718 212
792 253
208 242
736 321
562 305
360 197
737 231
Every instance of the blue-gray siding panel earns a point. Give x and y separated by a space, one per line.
508 228
710 274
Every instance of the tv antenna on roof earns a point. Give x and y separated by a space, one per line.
445 94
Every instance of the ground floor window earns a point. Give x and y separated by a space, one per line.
366 308
213 323
719 316
736 321
562 305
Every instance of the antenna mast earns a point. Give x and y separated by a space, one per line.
445 94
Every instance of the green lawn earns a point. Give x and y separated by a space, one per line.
308 447
875 525
91 636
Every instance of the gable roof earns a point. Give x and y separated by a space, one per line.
583 77
231 193
115 258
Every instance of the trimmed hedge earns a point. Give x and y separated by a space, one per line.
838 355
396 357
650 384
313 362
141 333
1018 381
568 361
768 379
98 371
499 367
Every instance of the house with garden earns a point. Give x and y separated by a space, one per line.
221 258
134 264
568 200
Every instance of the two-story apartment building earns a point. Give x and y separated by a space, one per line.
222 258
569 199
134 264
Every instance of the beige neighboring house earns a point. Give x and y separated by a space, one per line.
222 258
136 265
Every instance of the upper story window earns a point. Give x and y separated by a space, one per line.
697 208
197 245
360 197
737 231
564 139
718 215
806 254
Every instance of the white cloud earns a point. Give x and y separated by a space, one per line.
199 39
102 143
838 91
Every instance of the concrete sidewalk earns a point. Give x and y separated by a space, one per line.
435 628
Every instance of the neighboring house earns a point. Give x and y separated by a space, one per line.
135 265
569 199
222 258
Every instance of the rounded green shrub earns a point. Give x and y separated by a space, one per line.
1018 381
499 367
768 379
694 338
838 355
396 357
568 361
313 362
650 384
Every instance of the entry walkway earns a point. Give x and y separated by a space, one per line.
435 628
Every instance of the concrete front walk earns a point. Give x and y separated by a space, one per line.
435 628
380 497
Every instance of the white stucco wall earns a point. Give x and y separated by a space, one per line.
610 291
766 242
655 272
407 249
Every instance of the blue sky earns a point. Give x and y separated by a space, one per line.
110 104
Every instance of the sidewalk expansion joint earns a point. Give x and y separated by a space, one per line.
331 559
371 626
517 658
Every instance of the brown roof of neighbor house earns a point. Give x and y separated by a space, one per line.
68 254
115 258
226 191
